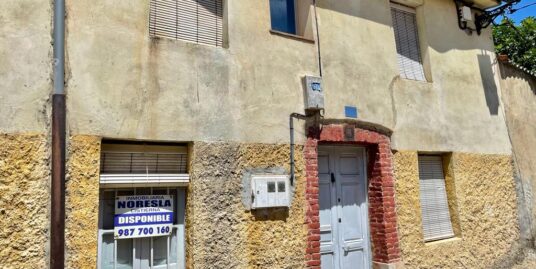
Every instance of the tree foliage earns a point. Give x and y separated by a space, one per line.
517 41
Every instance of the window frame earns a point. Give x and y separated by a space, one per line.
404 70
178 226
446 233
220 41
295 33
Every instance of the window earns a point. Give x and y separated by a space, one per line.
407 42
434 203
283 16
142 168
198 21
138 253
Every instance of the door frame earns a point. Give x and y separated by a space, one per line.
330 147
385 248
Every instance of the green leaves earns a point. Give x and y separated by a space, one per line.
518 42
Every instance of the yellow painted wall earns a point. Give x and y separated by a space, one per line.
24 201
221 233
82 202
483 191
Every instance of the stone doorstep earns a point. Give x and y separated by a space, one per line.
396 265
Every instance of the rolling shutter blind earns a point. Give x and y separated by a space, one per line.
434 203
198 21
407 43
143 163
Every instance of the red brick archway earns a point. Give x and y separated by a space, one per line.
382 212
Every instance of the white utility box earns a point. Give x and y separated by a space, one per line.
314 94
270 191
467 15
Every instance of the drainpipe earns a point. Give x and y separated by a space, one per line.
318 40
291 127
57 192
301 116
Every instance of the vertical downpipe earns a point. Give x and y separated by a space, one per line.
57 192
292 144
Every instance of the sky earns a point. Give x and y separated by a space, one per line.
523 13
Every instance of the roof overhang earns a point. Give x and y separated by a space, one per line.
485 3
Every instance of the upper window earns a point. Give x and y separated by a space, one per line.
283 16
434 203
407 42
190 20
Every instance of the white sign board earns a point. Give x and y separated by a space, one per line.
143 216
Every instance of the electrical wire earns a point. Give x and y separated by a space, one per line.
517 9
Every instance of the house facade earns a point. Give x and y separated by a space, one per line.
405 160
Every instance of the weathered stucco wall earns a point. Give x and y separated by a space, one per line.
82 202
26 65
220 232
181 91
177 90
518 92
24 201
485 198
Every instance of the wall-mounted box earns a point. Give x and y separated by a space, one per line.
270 191
314 93
467 14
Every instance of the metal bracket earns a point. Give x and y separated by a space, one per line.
483 18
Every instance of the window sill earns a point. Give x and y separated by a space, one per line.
297 37
443 241
417 81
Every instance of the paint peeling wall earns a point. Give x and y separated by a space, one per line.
485 198
24 201
220 232
82 201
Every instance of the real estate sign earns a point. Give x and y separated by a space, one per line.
143 216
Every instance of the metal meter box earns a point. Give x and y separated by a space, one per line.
314 93
270 191
467 15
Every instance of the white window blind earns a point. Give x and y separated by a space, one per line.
143 164
198 21
407 43
434 203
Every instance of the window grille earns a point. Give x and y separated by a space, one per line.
407 43
198 21
434 202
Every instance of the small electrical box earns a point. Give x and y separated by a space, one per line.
467 15
270 191
314 93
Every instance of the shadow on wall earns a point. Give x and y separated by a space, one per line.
438 17
270 214
211 6
488 82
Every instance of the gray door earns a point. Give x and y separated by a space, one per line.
344 232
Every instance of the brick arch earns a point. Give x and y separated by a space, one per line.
382 211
